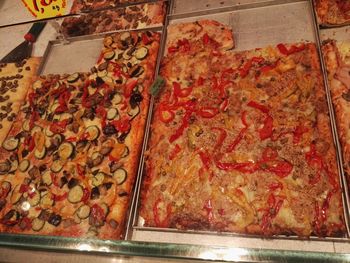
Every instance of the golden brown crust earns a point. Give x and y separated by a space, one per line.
242 144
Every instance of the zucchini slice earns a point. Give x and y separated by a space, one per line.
37 224
65 150
102 73
127 54
40 154
47 201
15 195
73 78
46 178
117 99
83 212
75 194
126 152
134 112
105 208
56 166
58 138
24 165
34 198
120 176
26 126
14 166
98 179
10 144
109 55
93 132
48 133
141 53
54 107
112 114
66 116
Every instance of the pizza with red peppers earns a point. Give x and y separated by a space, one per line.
69 162
241 142
88 5
332 12
337 57
131 17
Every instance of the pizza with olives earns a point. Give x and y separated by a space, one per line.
131 17
15 79
332 12
337 57
70 160
241 142
91 5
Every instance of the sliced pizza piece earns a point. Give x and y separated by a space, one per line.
16 79
332 12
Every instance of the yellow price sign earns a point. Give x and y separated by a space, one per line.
45 8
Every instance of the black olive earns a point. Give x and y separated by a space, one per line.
99 81
42 167
122 137
25 153
114 224
95 172
50 116
109 130
63 181
95 193
72 182
54 219
114 166
107 186
135 99
10 218
5 167
122 193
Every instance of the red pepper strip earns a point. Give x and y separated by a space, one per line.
31 193
62 101
59 126
224 105
97 213
200 81
267 68
244 70
174 152
184 45
208 112
293 49
332 178
247 167
207 40
166 116
181 92
26 222
244 119
275 186
313 159
209 208
269 154
221 211
84 101
205 158
183 126
53 179
32 96
86 195
33 118
80 171
258 106
271 212
102 113
122 125
30 142
59 198
172 49
129 87
266 131
157 219
221 139
145 39
281 169
298 133
100 57
237 140
315 179
23 188
71 139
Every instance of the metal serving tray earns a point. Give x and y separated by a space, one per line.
253 26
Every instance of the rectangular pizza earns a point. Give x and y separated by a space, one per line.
241 141
69 162
332 12
91 5
130 17
337 57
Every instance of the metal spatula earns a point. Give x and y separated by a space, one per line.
24 50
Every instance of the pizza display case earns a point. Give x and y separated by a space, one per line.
255 23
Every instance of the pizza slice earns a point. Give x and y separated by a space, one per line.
88 5
131 17
332 12
15 79
337 56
